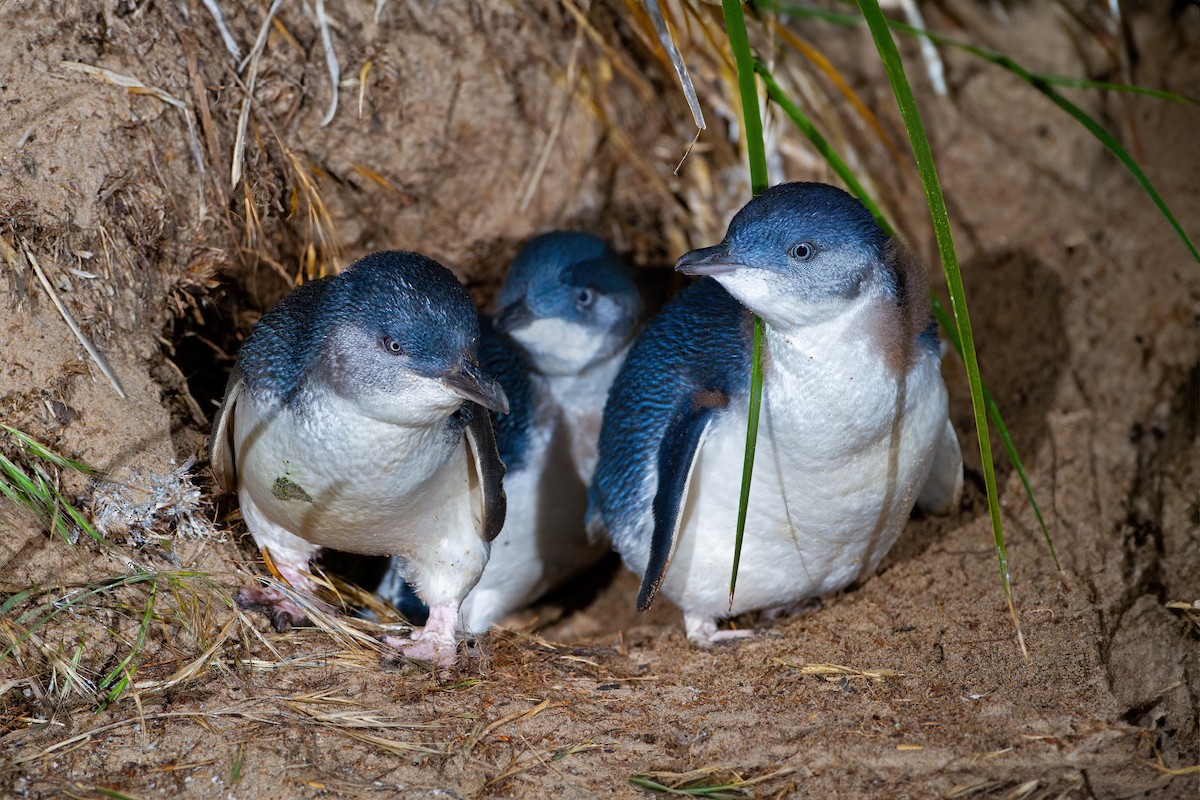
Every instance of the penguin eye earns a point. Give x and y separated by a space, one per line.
585 297
802 251
391 346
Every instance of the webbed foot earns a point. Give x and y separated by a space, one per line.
279 608
703 632
434 643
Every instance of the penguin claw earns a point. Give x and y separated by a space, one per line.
702 632
432 650
280 609
435 643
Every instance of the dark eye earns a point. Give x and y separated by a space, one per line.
585 297
802 251
391 345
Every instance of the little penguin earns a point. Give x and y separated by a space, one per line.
568 311
854 427
356 418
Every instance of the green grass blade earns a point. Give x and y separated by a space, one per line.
941 226
239 764
26 483
17 478
18 598
45 453
739 42
1104 86
123 668
751 444
1006 440
1044 83
820 144
776 93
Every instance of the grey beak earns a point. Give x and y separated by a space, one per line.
470 382
514 316
714 260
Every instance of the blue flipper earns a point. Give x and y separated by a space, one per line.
481 442
685 368
501 359
676 457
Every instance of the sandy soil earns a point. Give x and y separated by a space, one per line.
1085 305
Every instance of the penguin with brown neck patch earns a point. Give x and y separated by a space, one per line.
854 426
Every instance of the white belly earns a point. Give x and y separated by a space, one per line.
543 542
840 460
356 484
580 400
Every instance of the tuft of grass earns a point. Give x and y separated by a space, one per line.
718 783
735 28
32 618
121 676
29 477
322 254
958 300
1042 83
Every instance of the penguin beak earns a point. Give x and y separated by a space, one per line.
469 382
514 316
714 260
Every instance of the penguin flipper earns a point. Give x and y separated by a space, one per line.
677 453
481 441
944 486
222 454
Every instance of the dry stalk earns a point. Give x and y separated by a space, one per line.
68 318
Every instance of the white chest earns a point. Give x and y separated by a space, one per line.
543 541
843 449
339 479
580 400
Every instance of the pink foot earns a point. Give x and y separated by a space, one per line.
279 608
435 642
702 632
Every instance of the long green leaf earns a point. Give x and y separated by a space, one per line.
822 146
941 226
1043 83
1006 439
776 93
739 42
